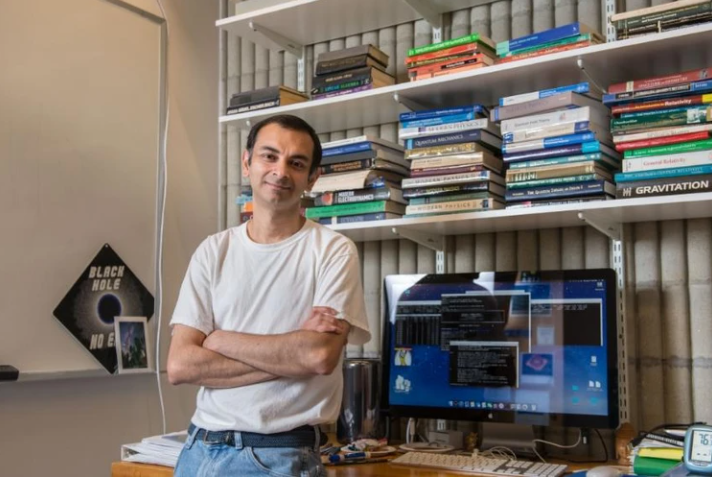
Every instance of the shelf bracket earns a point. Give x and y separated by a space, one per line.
579 63
425 9
408 103
432 241
291 46
611 229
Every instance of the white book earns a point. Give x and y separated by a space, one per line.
656 9
524 135
662 132
482 123
358 139
448 179
667 161
454 206
554 118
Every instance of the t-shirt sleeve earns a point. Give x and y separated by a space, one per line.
339 287
194 307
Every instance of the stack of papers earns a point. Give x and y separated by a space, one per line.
159 450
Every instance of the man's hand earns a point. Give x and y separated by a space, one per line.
323 320
213 341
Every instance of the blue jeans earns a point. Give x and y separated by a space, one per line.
201 458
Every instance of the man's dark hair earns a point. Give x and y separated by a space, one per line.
294 123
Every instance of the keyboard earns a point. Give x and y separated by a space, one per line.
479 465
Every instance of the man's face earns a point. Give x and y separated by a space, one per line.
279 171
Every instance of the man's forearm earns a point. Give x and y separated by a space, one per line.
295 354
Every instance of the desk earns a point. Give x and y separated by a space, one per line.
383 469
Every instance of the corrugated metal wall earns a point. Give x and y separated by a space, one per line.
669 264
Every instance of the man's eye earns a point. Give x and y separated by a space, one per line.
298 165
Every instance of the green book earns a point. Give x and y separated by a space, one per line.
679 117
463 40
670 149
554 181
551 44
354 209
651 466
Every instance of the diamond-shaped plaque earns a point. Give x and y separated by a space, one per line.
106 289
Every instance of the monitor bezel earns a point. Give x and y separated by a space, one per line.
609 421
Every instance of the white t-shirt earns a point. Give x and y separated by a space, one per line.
235 284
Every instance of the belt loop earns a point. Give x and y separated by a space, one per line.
317 438
237 436
192 432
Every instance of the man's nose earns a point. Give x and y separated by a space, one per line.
280 168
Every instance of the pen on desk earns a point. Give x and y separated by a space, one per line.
360 461
349 456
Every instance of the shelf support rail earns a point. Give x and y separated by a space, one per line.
432 241
431 15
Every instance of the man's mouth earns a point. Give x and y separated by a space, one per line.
278 186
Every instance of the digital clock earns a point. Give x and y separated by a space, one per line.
698 449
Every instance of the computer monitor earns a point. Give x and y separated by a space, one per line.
534 348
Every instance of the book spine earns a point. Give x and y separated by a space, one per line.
253 107
549 192
554 161
348 166
663 104
544 93
463 40
352 196
425 122
432 172
360 73
670 149
548 143
455 50
660 133
547 120
694 115
408 133
546 36
649 163
554 181
545 203
538 106
335 151
574 149
523 175
354 83
417 192
663 173
654 9
444 139
342 92
452 206
647 143
659 93
654 19
449 198
440 151
546 132
447 179
669 186
447 161
660 81
346 209
664 113
333 66
436 113
586 37
547 51
444 65
350 219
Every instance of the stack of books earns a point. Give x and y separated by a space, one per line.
655 457
264 98
555 40
351 70
360 181
659 18
662 125
454 161
245 203
453 56
556 144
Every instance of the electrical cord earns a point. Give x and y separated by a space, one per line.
549 443
586 461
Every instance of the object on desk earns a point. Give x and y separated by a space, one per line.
360 407
372 450
698 449
359 461
449 438
8 373
652 467
430 447
678 471
479 465
624 435
364 445
161 450
607 471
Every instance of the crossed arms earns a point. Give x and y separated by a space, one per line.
228 359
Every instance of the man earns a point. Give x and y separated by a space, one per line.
262 318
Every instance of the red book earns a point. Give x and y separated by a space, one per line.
451 71
662 104
661 81
449 64
455 50
662 141
546 51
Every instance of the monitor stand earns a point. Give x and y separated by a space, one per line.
517 437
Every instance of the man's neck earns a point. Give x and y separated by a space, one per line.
269 226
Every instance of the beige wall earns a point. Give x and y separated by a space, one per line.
70 428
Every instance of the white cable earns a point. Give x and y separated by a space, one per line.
560 446
163 188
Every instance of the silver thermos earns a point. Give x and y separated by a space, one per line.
360 405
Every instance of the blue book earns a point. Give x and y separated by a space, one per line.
663 173
658 93
555 161
544 93
454 118
570 150
568 190
549 142
349 148
573 128
546 36
473 135
348 219
435 113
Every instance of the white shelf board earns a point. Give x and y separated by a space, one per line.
625 60
313 21
690 206
71 374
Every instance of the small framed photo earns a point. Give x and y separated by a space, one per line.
133 350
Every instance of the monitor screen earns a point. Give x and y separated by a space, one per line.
519 347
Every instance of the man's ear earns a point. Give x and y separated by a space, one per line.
312 179
245 163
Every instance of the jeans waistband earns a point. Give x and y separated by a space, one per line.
304 436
